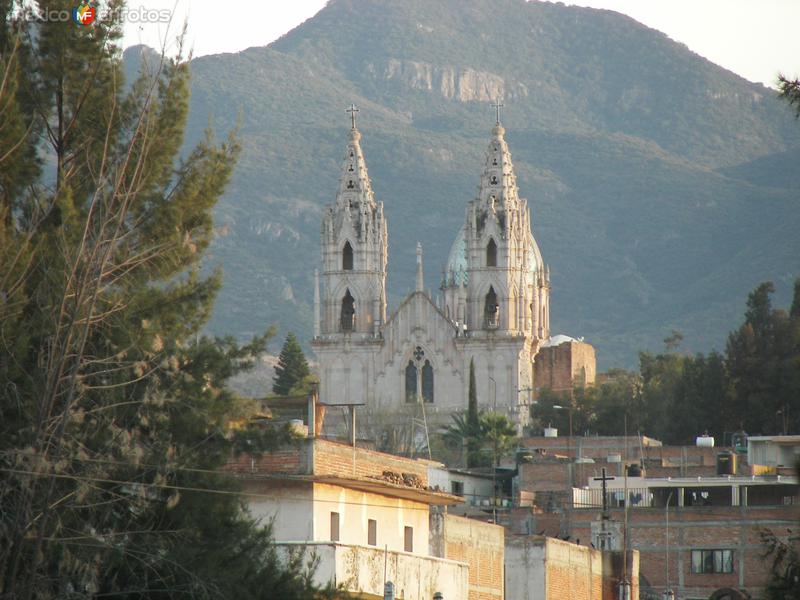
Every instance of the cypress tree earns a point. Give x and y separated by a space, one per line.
473 421
292 367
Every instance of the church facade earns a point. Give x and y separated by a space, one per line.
493 310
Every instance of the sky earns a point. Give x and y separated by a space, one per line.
753 38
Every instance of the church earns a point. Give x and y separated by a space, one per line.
493 310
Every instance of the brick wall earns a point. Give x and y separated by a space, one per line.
314 456
698 528
560 367
334 458
481 546
289 460
539 568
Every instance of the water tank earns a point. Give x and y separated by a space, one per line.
634 470
550 432
705 441
726 463
297 426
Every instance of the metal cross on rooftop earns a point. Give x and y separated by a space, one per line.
352 110
604 478
497 105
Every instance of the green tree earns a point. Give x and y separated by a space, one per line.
499 436
292 373
789 90
113 411
473 421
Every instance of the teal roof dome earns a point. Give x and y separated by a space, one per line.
456 269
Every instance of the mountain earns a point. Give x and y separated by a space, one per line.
663 187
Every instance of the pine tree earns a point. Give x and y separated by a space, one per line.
292 370
112 412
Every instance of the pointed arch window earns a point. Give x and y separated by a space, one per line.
491 309
427 382
347 257
491 253
348 315
411 382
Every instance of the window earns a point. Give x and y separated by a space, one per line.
712 561
347 257
491 308
348 316
491 253
457 488
408 537
334 526
411 382
372 532
427 382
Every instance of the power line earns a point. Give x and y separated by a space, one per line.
210 490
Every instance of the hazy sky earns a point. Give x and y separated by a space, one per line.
754 38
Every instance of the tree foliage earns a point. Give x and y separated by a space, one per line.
113 410
292 373
484 437
674 397
790 91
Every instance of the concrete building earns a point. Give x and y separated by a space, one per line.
370 517
494 307
542 568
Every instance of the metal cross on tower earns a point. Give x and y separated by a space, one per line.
604 478
497 105
352 110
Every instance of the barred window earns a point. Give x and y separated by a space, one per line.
712 561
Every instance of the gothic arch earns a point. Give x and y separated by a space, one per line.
427 382
491 309
491 253
347 257
347 314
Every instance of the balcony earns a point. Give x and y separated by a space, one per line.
359 570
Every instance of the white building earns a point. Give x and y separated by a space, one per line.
364 515
494 308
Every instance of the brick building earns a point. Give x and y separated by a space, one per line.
564 362
360 512
712 501
542 568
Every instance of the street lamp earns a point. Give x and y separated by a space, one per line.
569 408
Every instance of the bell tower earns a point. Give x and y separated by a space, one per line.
508 284
354 252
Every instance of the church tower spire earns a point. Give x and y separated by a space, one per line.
354 250
507 281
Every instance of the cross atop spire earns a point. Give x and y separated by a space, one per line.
497 105
352 110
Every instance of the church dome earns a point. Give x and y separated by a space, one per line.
456 269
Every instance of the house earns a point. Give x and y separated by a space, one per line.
368 517
693 512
